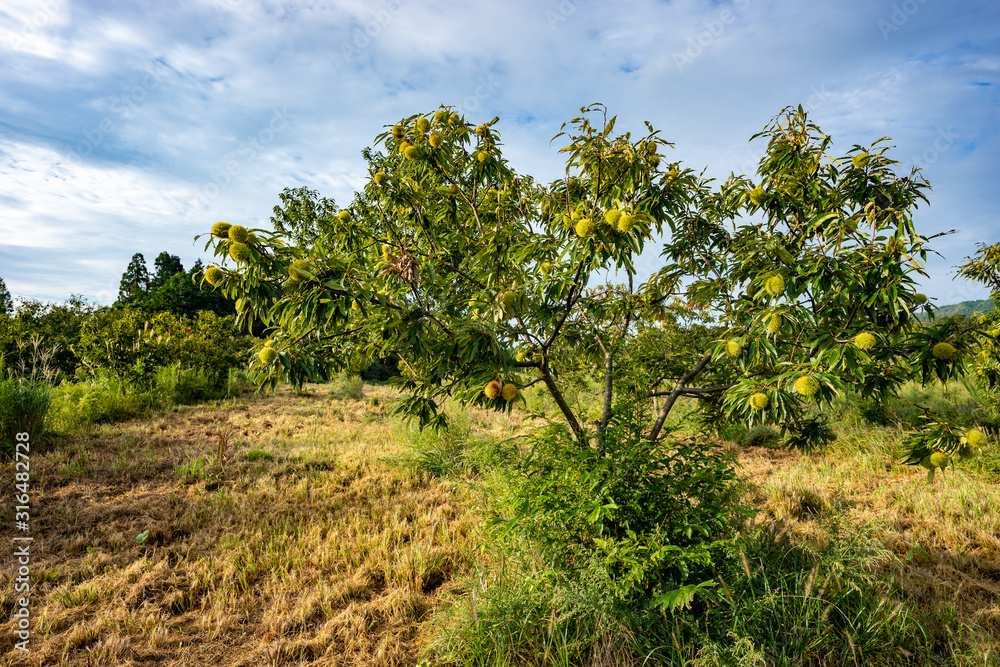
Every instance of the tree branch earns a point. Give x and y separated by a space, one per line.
672 397
574 425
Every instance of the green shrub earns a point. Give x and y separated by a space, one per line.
52 330
642 524
516 617
134 346
761 435
23 408
101 399
238 382
790 605
185 386
775 603
443 452
346 386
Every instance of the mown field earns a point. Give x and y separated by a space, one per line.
308 527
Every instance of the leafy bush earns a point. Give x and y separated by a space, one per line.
134 346
791 605
761 435
641 523
100 399
346 386
446 451
238 382
874 411
23 407
776 603
124 342
55 327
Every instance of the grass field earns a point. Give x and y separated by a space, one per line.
297 529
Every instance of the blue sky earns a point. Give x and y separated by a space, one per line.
133 126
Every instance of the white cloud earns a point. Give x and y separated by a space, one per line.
172 104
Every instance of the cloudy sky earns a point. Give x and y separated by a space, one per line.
133 126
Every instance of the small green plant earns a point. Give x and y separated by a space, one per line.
345 386
761 435
257 455
77 597
194 470
238 382
447 451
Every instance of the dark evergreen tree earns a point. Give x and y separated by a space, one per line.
183 294
166 266
135 281
6 302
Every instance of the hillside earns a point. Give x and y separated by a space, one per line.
964 308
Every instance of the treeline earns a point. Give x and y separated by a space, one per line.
965 308
168 288
159 318
164 341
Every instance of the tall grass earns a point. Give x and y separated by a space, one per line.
777 603
103 398
24 405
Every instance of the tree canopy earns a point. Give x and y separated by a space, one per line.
485 282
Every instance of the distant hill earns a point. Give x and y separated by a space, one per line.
964 308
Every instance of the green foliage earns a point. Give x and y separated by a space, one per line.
643 524
515 619
810 434
125 342
239 382
6 302
182 294
167 266
874 411
761 435
775 603
134 345
304 217
134 284
448 451
38 329
984 267
24 405
175 385
789 605
103 398
345 386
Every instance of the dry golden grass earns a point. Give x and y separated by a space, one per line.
282 530
294 540
944 538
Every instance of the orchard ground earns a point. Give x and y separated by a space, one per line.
300 528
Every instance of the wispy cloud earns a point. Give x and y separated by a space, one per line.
134 130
